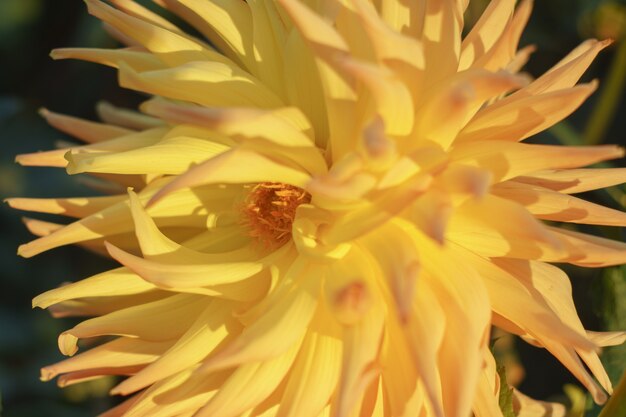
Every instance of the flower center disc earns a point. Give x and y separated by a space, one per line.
270 209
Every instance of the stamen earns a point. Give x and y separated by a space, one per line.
270 209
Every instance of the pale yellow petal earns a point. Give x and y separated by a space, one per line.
524 116
120 353
572 181
159 320
110 283
508 160
551 205
212 327
313 377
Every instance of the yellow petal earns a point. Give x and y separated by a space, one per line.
572 181
486 31
550 205
282 325
226 23
249 385
567 72
521 117
182 153
128 118
208 83
159 320
212 327
72 207
508 160
503 52
85 130
169 46
136 59
120 353
461 97
225 169
314 377
110 283
591 251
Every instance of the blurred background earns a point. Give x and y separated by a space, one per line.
30 80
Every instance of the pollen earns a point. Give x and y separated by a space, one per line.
270 209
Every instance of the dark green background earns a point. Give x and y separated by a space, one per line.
29 80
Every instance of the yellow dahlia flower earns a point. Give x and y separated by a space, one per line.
328 206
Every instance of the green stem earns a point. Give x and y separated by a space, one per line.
604 111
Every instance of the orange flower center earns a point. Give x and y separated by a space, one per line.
270 209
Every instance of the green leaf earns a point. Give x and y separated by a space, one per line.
505 399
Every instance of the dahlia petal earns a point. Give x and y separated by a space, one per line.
127 118
398 258
526 236
183 153
207 83
590 251
85 130
401 379
389 203
99 306
159 320
555 287
136 59
195 391
313 27
249 385
441 39
524 406
120 353
268 32
221 279
225 168
359 367
462 97
116 219
54 159
603 339
503 52
287 126
226 23
540 276
568 71
572 181
507 160
171 47
328 46
401 53
551 205
131 8
460 289
283 132
111 283
520 117
120 409
212 327
517 302
282 325
487 30
424 332
313 378
393 100
304 88
72 207
78 377
486 402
